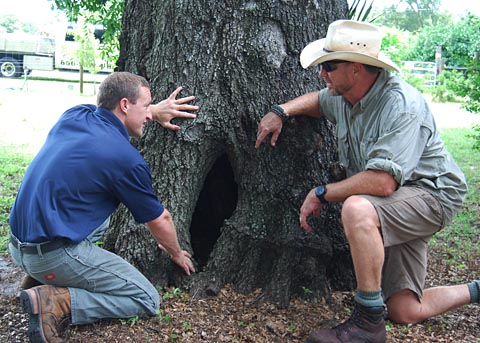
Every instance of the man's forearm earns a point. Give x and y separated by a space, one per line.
372 182
163 229
303 105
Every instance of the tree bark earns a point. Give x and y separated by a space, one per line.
236 208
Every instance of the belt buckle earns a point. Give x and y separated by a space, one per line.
19 244
22 245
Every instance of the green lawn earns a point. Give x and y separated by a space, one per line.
12 166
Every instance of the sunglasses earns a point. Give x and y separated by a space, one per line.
330 65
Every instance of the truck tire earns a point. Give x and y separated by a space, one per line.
10 67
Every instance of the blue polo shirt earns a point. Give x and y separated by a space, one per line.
86 167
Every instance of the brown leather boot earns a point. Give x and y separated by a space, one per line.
366 325
49 310
29 282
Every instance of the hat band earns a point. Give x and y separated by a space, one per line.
328 50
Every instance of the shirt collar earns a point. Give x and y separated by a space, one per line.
112 119
375 89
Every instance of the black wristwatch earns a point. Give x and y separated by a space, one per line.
320 192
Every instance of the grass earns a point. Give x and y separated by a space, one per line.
13 162
458 240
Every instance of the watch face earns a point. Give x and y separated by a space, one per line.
320 191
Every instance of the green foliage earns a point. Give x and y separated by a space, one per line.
469 87
459 41
412 15
360 11
396 44
163 317
169 294
87 53
307 291
415 80
9 23
12 167
106 12
447 81
476 136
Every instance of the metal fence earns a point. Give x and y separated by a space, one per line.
425 70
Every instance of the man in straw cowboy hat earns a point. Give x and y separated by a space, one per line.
402 185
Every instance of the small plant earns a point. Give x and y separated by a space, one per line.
446 89
133 320
476 136
185 326
307 291
163 318
169 295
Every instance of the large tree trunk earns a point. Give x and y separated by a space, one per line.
236 208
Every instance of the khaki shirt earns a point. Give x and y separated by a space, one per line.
392 129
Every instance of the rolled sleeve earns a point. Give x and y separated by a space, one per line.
388 166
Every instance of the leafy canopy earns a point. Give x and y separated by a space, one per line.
105 12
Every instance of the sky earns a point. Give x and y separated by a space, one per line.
27 10
38 12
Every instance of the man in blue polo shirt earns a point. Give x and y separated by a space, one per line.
85 169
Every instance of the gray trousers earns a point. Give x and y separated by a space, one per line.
101 284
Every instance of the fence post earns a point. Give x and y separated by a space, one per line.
438 62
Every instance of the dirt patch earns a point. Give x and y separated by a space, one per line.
10 277
234 317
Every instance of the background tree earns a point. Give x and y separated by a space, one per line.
10 23
459 41
412 15
105 12
236 208
87 52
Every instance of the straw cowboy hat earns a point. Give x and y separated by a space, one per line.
348 40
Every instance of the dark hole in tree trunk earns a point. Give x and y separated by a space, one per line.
216 202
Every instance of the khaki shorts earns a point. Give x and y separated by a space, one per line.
408 219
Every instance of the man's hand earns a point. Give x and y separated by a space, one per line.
270 123
170 108
311 205
183 260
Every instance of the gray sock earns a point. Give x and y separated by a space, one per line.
474 288
369 299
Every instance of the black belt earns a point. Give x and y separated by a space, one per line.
37 248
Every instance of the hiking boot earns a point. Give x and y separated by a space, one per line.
366 325
49 310
29 282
